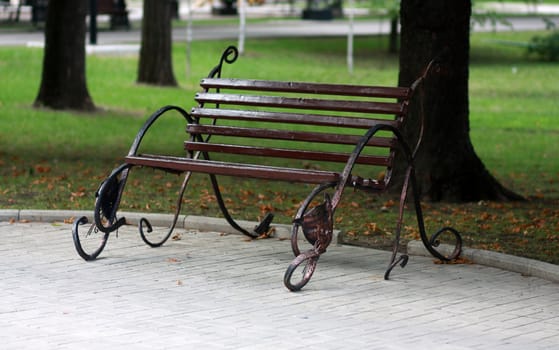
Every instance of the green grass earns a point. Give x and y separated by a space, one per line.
512 105
55 160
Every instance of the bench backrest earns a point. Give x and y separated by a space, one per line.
308 122
318 125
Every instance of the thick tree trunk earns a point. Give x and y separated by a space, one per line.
63 83
156 65
448 168
393 36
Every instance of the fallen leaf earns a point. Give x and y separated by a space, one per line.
268 234
389 203
176 237
41 169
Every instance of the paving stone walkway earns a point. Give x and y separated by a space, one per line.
213 291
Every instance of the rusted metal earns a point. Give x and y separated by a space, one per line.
317 226
430 243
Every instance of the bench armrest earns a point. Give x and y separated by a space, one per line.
155 116
357 151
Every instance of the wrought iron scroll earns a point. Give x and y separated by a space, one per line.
317 224
432 242
229 56
134 150
154 117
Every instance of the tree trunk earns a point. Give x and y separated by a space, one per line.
393 36
156 65
63 82
447 166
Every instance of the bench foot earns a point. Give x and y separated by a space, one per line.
402 261
88 244
432 243
157 239
317 226
264 226
153 238
91 243
307 261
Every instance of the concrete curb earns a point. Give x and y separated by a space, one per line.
524 266
191 222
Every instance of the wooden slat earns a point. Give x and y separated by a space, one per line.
285 153
286 135
292 118
301 103
234 169
309 88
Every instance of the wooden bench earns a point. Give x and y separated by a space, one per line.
117 11
351 131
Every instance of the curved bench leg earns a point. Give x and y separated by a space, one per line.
309 259
403 259
260 229
145 227
317 225
430 243
91 243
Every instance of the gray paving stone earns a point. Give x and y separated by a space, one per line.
215 291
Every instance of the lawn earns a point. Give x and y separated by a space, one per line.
56 160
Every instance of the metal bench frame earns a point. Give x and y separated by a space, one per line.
314 220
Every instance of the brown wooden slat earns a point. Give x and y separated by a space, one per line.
310 88
234 169
292 118
286 135
285 153
301 103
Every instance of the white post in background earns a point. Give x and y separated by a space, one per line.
350 39
242 25
188 37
